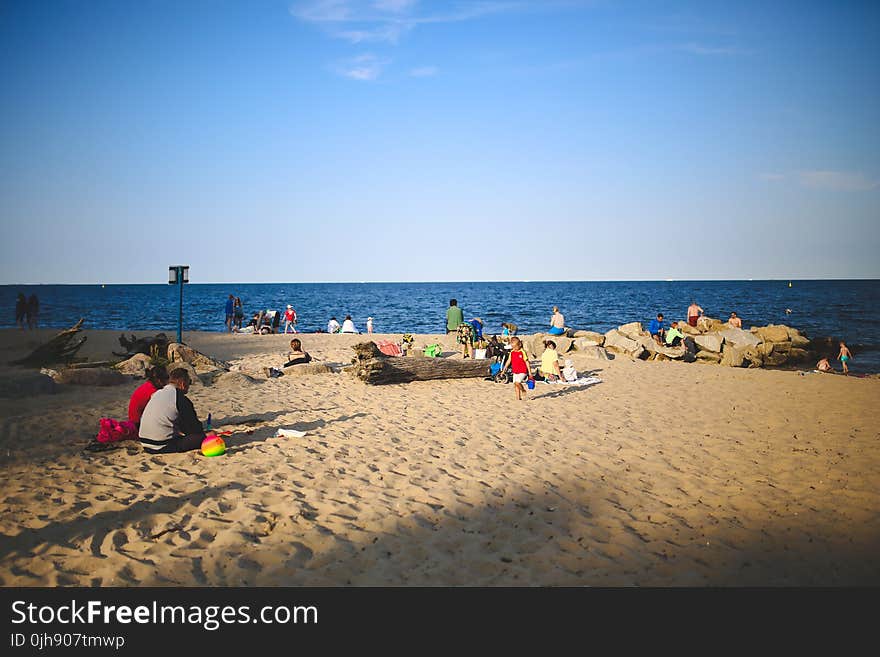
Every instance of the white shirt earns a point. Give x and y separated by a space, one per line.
332 325
348 327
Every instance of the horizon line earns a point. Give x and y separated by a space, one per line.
595 280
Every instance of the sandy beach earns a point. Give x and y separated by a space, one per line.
663 474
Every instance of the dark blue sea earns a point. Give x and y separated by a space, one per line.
849 310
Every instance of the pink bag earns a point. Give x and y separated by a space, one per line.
113 430
388 348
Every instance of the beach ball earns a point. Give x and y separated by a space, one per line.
213 445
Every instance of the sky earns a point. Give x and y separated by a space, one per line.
409 140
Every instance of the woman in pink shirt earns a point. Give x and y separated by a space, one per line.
157 378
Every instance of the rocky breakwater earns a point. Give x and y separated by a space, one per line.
713 341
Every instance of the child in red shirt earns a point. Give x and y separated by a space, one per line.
157 378
519 365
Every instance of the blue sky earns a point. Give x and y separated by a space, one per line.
396 140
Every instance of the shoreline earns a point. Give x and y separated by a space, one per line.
663 474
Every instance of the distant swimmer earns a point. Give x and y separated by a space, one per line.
788 311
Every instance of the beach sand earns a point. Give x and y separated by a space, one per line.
663 474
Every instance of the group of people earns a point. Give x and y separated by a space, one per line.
262 321
347 326
673 337
844 356
27 311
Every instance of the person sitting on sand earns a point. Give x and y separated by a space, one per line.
550 362
844 356
734 321
655 328
569 373
296 356
169 423
333 326
557 322
824 366
348 325
157 378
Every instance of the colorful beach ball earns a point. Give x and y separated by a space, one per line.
213 445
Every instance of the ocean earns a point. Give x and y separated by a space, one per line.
845 309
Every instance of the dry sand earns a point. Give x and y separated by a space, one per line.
663 474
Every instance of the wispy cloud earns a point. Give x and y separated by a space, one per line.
424 72
363 21
836 181
365 68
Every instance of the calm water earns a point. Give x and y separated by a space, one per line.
846 309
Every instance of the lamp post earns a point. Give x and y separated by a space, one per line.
178 275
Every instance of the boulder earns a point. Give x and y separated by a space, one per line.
632 330
92 376
710 324
733 356
772 333
739 338
672 353
178 353
589 338
797 355
593 352
615 341
708 357
135 366
687 329
797 340
534 346
709 342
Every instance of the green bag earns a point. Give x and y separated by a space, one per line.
433 350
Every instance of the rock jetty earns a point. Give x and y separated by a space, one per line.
714 341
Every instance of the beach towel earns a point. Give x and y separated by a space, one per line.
583 381
389 348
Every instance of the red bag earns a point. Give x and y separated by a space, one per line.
112 430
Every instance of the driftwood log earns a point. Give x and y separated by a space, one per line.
372 366
60 349
156 347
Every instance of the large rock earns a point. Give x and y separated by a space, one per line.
137 365
92 376
593 352
797 355
618 342
733 356
709 342
534 346
708 357
739 338
772 333
632 330
687 329
178 353
709 324
588 339
797 340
